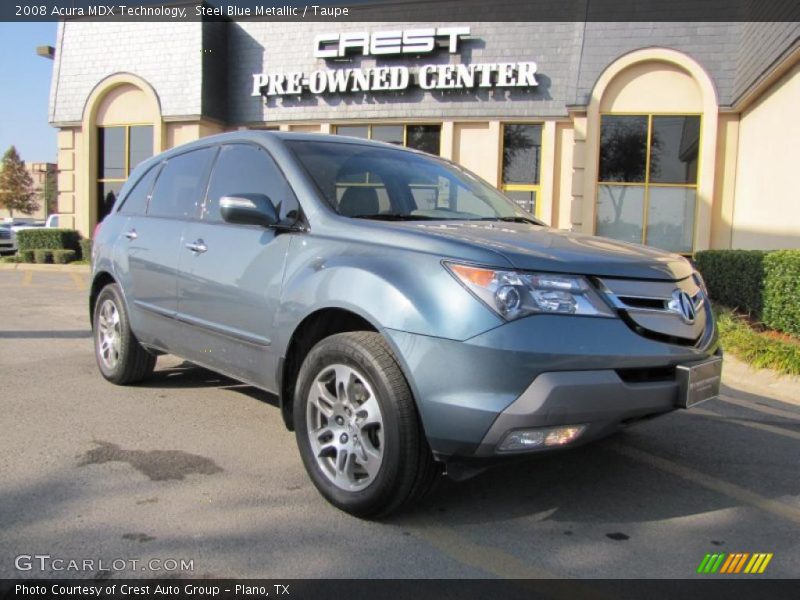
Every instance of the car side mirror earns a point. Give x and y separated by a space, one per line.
248 209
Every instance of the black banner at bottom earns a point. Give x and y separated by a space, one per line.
394 589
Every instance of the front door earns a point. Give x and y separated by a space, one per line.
230 275
153 242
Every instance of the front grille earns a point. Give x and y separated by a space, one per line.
5 234
674 312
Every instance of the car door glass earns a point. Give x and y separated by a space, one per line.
180 188
246 169
135 202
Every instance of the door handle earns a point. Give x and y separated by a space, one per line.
198 246
131 234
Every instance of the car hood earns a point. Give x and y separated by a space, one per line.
533 247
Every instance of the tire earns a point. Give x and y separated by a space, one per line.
340 434
120 356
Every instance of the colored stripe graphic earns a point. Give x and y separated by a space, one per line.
734 563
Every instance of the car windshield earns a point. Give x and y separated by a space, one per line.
370 182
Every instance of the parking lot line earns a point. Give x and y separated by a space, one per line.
27 278
769 410
740 494
795 435
78 281
486 558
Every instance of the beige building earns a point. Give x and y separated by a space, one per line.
680 136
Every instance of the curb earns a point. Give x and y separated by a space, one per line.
764 382
45 268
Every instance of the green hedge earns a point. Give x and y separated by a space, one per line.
765 285
62 257
86 249
782 291
26 256
49 239
735 278
42 256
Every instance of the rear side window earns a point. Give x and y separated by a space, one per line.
180 188
246 169
135 202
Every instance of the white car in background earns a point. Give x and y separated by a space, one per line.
10 227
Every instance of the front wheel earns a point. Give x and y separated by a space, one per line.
357 427
120 356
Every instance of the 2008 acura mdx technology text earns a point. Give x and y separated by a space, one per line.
405 312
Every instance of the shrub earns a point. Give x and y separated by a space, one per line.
42 256
763 350
782 291
62 257
15 258
86 249
735 278
48 239
26 256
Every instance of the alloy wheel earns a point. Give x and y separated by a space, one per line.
345 427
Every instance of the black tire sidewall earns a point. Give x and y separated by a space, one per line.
339 350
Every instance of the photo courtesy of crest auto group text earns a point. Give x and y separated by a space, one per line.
398 298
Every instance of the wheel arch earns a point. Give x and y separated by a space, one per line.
101 280
314 327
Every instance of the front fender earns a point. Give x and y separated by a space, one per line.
391 288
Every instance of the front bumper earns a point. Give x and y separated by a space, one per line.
539 371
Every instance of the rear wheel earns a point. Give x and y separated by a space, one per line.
357 427
120 356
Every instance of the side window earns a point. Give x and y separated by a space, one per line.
135 202
180 188
246 169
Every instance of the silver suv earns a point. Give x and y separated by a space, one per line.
408 316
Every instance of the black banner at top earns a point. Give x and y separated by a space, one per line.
405 10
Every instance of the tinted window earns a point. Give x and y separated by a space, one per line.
522 146
140 144
426 138
359 131
180 188
111 142
673 149
623 148
245 169
392 134
136 201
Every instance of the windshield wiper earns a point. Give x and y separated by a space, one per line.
515 219
396 217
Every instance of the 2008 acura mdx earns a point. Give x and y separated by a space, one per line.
405 312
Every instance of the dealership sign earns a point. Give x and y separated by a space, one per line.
413 42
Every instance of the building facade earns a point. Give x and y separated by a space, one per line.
682 136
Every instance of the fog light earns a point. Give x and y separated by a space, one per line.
541 437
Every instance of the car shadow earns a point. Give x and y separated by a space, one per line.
602 481
187 375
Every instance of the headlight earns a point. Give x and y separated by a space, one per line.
513 294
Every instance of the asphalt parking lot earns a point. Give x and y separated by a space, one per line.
193 466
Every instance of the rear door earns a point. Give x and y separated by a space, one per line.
152 243
230 280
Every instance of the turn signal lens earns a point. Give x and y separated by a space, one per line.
474 275
540 437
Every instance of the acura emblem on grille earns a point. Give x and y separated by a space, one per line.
683 305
